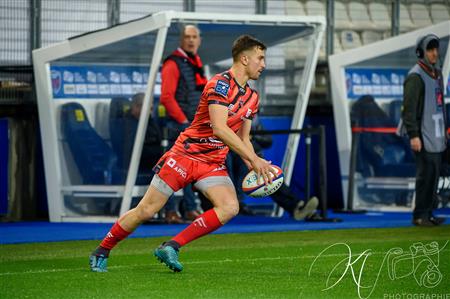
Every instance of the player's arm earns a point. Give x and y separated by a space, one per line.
219 116
244 134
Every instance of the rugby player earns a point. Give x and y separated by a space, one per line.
222 122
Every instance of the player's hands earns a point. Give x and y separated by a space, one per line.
416 144
248 164
263 169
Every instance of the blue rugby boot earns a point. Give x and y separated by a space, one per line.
167 253
98 263
98 260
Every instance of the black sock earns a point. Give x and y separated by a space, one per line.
172 244
102 251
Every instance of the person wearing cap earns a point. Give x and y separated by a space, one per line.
423 118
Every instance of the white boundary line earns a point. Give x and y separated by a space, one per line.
188 263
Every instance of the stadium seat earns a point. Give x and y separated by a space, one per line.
295 7
342 20
379 14
350 40
117 127
439 13
315 8
94 158
297 49
379 154
336 43
395 111
405 20
123 132
420 15
369 37
359 15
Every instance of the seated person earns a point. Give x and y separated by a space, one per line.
151 150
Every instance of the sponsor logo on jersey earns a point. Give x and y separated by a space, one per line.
222 88
173 164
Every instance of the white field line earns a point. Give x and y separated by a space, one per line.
44 271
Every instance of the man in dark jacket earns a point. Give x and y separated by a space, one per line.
424 120
183 81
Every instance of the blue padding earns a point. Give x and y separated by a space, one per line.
380 154
28 232
122 130
395 111
4 145
93 156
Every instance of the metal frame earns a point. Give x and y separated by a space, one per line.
301 104
337 65
161 22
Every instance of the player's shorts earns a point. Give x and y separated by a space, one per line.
174 171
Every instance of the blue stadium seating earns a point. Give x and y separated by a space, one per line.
380 154
122 130
94 158
395 111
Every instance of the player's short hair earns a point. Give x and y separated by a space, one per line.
243 43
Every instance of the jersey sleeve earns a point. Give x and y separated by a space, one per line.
255 107
217 92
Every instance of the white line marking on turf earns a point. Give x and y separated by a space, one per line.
45 271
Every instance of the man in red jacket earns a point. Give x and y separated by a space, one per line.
183 81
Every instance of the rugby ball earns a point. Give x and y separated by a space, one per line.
256 188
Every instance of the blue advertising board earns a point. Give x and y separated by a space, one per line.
380 83
98 81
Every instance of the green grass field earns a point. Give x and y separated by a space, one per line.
260 265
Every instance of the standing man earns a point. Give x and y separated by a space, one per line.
222 121
424 119
182 84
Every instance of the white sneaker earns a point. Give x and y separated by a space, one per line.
303 210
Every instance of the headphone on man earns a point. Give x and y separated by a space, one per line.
419 48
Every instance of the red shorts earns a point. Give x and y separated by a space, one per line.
177 171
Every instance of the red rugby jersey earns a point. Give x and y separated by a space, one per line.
198 141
